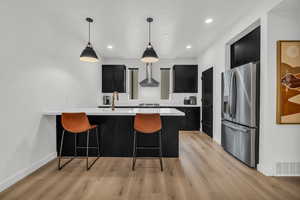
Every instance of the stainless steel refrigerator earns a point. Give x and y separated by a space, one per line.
240 112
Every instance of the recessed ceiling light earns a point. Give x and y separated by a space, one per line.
188 47
109 46
209 20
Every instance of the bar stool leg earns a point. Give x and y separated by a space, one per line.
60 152
97 135
87 150
160 151
75 138
134 151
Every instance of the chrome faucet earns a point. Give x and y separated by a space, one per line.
114 95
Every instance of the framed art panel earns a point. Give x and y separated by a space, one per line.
288 82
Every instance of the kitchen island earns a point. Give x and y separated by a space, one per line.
116 132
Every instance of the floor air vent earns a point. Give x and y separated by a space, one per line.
288 169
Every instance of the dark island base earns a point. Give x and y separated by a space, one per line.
116 137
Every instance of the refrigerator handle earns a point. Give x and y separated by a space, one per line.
230 98
234 127
234 95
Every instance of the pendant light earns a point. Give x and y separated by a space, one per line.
149 55
88 54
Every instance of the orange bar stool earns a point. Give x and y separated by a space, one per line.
76 123
147 124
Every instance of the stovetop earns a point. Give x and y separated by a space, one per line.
152 105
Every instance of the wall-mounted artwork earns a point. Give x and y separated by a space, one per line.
288 82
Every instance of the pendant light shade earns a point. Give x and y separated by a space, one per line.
89 54
149 55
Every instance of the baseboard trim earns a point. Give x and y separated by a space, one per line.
291 169
25 172
264 170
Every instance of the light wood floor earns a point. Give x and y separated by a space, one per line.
203 171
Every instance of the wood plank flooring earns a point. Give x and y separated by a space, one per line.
203 171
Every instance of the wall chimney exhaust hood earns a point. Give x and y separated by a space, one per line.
149 81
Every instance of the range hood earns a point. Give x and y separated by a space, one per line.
149 81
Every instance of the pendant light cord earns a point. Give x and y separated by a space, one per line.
149 32
89 32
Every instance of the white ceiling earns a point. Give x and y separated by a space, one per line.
288 8
122 23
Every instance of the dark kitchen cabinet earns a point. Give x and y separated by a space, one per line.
207 102
113 78
247 49
185 78
191 122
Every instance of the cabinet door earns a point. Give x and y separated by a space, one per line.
179 80
183 121
185 78
107 79
113 78
191 121
119 79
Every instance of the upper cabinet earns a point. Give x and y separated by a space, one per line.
185 78
246 50
113 78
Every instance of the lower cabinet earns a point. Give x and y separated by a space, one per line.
191 121
116 138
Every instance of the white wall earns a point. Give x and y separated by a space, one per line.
281 143
148 94
278 143
40 68
215 56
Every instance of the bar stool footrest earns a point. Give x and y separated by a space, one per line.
147 148
86 147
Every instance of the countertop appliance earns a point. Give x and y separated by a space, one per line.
193 100
106 100
240 112
186 101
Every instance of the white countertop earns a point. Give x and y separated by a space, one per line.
117 111
179 105
161 105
